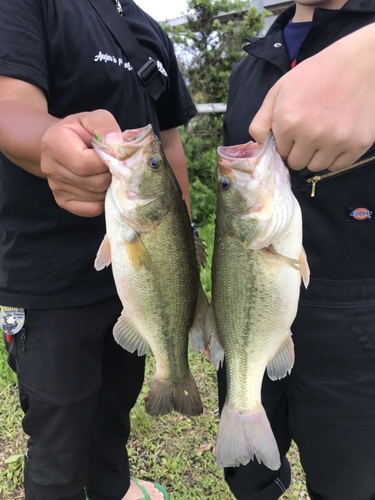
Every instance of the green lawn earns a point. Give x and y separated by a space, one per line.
174 450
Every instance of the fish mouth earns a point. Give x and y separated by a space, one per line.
133 141
229 155
125 153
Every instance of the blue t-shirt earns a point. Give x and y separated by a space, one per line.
294 35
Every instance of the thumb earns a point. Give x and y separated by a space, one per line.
103 124
261 125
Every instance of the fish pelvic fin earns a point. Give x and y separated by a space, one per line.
197 340
212 340
282 362
138 253
165 397
245 436
103 257
128 337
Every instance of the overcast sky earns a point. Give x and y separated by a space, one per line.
163 9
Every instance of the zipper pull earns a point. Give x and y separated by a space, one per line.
313 181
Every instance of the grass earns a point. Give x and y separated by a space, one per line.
174 450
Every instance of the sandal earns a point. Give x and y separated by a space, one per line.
146 495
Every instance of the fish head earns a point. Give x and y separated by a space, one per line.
141 177
254 191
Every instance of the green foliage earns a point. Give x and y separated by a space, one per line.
207 49
201 160
7 376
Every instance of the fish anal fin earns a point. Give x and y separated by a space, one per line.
128 337
165 397
245 436
103 257
282 362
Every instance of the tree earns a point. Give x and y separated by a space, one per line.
208 45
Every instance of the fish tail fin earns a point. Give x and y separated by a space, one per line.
182 397
243 436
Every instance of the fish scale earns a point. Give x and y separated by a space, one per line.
150 245
257 264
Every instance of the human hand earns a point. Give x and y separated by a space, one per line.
322 113
76 175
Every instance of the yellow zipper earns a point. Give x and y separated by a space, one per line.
314 180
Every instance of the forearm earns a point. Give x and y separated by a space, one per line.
22 127
175 155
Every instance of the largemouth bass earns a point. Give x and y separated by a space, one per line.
258 262
150 244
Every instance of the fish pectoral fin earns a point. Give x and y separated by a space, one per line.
211 339
138 253
305 270
200 250
128 337
197 337
282 362
103 257
294 263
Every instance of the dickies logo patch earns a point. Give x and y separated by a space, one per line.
359 213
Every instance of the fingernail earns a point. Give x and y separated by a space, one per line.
112 139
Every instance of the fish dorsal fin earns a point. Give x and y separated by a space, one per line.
197 338
282 362
103 257
200 250
138 253
128 337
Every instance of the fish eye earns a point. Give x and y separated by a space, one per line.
154 162
225 184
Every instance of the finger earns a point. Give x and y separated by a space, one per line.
71 164
261 125
76 201
90 189
102 123
83 208
323 159
344 160
299 156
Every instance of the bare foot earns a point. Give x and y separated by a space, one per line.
135 493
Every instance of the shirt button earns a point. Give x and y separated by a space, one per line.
278 45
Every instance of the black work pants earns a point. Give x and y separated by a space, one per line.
327 404
77 387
